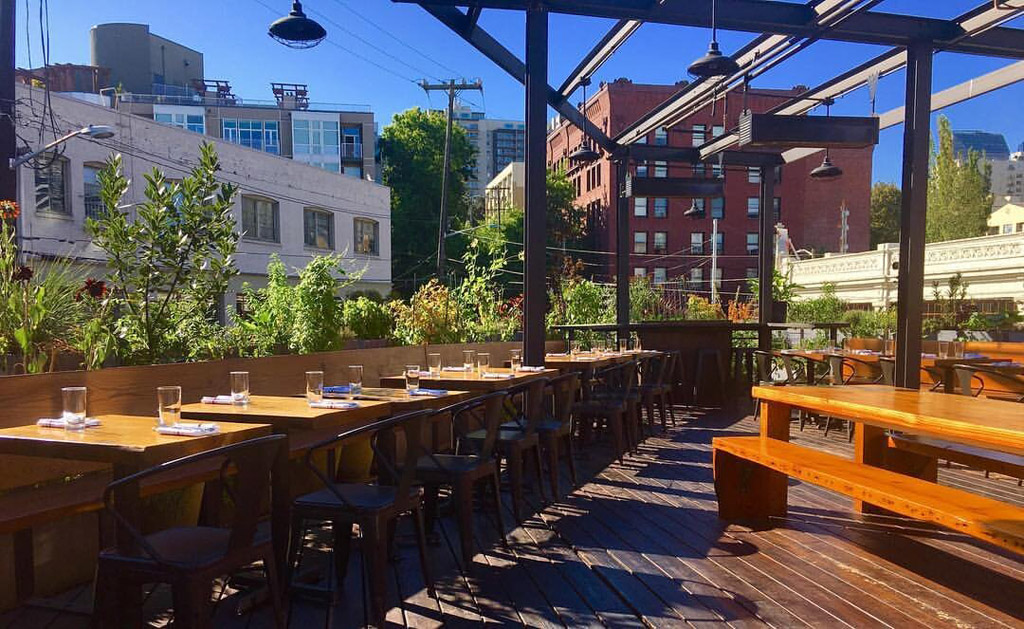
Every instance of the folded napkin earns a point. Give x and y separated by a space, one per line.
926 355
335 404
429 392
188 430
973 355
557 354
60 422
498 376
531 369
338 389
455 369
218 399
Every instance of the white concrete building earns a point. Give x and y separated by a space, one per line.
1008 219
498 143
283 206
993 266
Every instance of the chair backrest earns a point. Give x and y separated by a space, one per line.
966 376
486 411
795 370
765 366
888 367
563 390
1013 384
248 463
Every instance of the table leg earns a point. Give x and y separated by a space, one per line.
948 379
280 507
775 420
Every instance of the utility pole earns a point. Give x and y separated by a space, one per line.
8 145
452 87
844 228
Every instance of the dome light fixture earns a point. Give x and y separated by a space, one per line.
295 30
695 211
714 63
827 171
585 154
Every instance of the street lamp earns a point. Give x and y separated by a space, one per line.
95 131
295 30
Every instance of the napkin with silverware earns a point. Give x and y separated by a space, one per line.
60 422
217 399
188 430
334 404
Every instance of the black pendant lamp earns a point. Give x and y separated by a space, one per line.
827 170
694 210
714 63
585 154
295 30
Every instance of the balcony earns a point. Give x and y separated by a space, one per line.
351 151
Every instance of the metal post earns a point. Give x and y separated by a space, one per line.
714 260
916 136
534 289
766 257
622 250
442 228
8 145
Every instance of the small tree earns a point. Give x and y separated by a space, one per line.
318 313
885 213
180 245
959 196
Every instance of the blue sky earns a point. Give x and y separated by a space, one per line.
376 49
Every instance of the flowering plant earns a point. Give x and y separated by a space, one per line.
9 210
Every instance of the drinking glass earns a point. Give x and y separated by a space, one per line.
412 378
623 345
890 347
468 357
355 380
434 364
240 388
636 342
483 362
314 386
574 349
943 349
74 407
516 359
958 349
168 405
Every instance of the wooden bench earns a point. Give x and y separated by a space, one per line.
738 460
977 458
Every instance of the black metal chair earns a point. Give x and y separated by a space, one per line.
969 375
374 507
613 403
188 558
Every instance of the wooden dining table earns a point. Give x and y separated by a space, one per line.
472 381
944 364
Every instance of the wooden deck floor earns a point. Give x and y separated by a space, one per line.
639 543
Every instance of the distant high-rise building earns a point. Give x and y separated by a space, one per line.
498 143
1007 177
992 145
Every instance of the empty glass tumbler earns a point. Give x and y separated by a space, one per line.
412 377
168 405
314 387
240 387
74 407
434 364
355 380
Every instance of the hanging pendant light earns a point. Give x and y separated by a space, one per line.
295 30
827 170
714 63
694 211
585 154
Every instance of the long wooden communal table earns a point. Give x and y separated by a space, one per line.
901 487
945 365
130 444
471 381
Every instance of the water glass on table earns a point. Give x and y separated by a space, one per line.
434 364
516 359
623 345
483 362
890 347
168 405
239 388
355 381
943 349
314 387
74 407
412 378
468 359
957 347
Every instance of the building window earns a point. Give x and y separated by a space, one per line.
752 241
183 120
52 185
261 135
639 242
317 143
641 169
660 207
661 136
753 207
366 236
777 202
352 143
751 272
640 206
1020 227
753 174
699 170
660 275
716 170
318 228
697 243
720 247
91 191
699 203
661 169
660 242
699 134
718 207
1008 228
697 277
261 219
718 278
639 271
717 130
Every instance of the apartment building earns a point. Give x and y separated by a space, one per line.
283 207
675 249
498 143
505 192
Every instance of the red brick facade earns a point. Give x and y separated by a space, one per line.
810 209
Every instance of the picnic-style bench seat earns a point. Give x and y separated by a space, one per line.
978 458
743 465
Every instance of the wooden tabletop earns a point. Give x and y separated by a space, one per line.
926 361
288 413
120 439
992 424
402 401
471 381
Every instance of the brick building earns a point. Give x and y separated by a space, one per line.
676 249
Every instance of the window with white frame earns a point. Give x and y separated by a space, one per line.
753 174
318 228
752 243
641 169
660 242
721 242
639 271
660 275
352 142
366 236
640 206
51 183
262 135
261 219
661 207
183 117
718 207
699 134
753 207
91 190
697 276
716 170
639 242
661 136
697 243
661 169
317 142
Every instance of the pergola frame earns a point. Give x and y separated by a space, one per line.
786 28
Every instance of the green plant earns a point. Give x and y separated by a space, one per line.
433 315
700 309
95 339
480 293
318 313
266 326
180 243
646 302
366 318
871 323
783 288
953 308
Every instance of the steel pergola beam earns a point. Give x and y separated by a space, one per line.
601 52
771 16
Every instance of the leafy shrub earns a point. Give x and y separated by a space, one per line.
701 309
433 315
366 318
266 327
318 313
871 323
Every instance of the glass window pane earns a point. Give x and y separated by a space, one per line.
640 206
